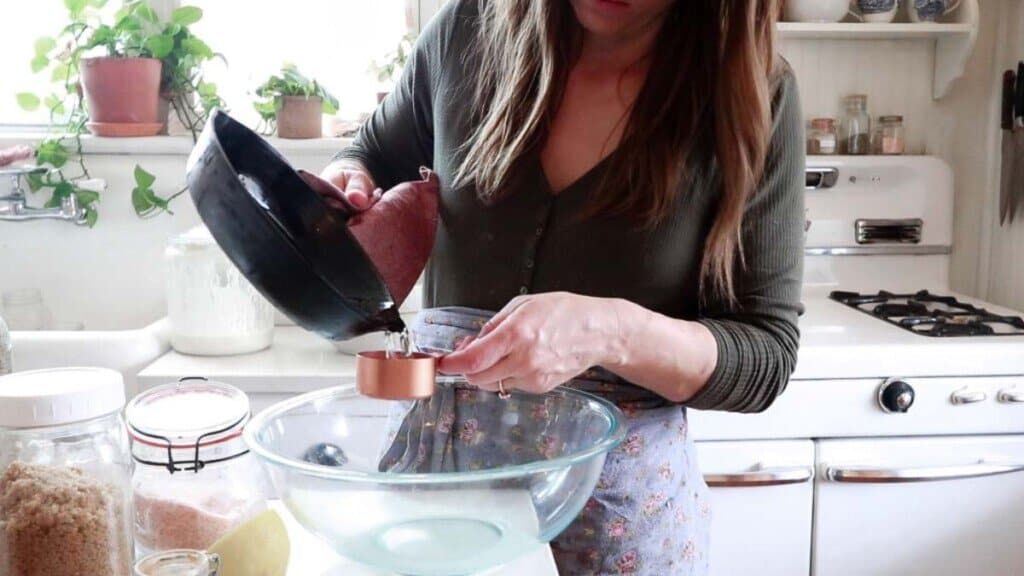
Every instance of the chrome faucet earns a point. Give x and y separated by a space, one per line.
14 206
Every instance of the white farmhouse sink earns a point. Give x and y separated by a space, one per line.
127 351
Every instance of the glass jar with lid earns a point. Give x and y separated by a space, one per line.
212 309
822 138
194 479
856 126
65 473
889 136
178 563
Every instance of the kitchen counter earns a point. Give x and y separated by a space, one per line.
836 341
312 557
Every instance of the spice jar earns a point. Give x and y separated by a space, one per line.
856 126
194 478
889 138
65 504
822 138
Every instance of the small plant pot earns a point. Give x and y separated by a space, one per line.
122 95
300 117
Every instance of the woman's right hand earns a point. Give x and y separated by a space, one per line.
345 186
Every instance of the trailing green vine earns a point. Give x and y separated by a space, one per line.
136 31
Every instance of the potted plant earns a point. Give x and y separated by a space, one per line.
294 103
182 86
390 68
113 94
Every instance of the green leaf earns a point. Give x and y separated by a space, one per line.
75 6
63 190
159 46
44 45
91 216
330 106
186 15
60 73
207 89
142 10
140 201
97 3
52 152
143 179
196 46
28 101
86 197
53 202
39 62
35 182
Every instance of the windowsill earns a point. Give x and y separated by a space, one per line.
171 145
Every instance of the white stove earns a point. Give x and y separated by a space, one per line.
898 447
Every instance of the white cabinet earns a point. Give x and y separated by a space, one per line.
761 503
920 506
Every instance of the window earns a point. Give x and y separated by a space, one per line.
19 29
334 42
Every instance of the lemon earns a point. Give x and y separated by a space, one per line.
257 547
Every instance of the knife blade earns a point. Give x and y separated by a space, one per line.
1018 143
1008 149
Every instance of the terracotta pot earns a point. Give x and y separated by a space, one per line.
122 90
300 117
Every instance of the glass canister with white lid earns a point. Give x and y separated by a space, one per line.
212 309
194 479
65 470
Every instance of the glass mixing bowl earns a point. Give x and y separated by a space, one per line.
452 484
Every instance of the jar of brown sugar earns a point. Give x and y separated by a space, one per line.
65 504
194 479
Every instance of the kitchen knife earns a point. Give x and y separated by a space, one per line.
1017 191
1008 149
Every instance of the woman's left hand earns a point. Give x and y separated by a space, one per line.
540 341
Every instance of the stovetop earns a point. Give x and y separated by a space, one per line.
928 314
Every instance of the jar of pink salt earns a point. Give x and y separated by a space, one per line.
194 478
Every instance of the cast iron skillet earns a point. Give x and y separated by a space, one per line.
294 248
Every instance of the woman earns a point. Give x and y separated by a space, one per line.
623 181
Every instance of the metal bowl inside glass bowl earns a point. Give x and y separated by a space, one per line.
452 484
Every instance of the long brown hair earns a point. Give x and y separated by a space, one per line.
709 77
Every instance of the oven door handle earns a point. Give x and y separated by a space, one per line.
874 475
760 476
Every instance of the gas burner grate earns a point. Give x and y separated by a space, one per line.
928 314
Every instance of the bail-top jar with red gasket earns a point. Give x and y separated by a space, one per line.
194 478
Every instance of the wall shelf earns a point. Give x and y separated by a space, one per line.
857 31
954 41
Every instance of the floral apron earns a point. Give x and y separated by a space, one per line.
649 514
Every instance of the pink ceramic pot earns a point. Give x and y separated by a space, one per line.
122 90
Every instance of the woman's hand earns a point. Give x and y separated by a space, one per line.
540 341
346 185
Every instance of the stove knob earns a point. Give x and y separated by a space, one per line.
895 396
